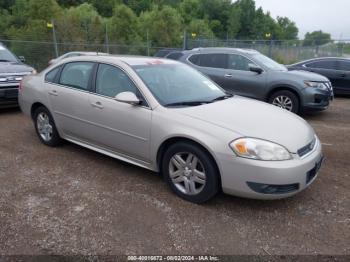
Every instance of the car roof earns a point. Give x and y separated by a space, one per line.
222 49
127 59
322 58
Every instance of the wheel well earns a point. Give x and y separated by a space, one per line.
283 88
167 143
35 106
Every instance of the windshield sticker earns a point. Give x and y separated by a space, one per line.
211 85
155 62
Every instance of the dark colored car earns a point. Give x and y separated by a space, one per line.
12 71
337 70
251 74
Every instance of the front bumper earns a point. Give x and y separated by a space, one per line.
239 174
316 99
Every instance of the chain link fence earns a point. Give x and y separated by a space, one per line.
39 53
285 52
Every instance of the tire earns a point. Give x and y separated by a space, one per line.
190 178
284 99
42 116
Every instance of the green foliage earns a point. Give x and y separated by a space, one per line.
317 38
164 26
289 30
123 26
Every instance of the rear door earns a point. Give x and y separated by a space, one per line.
213 65
69 99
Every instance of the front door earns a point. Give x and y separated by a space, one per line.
120 127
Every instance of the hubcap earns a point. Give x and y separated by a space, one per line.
187 173
283 102
44 126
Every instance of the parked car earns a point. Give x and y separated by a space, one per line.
72 54
336 69
165 116
251 74
12 70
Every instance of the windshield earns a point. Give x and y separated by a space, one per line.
6 56
178 83
269 63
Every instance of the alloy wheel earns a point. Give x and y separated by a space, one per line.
283 102
187 173
44 126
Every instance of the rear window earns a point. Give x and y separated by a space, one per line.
213 60
344 65
77 75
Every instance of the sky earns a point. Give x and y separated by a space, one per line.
331 16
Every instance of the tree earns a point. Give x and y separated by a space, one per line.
105 7
123 26
289 31
234 22
189 10
200 27
247 19
164 25
317 38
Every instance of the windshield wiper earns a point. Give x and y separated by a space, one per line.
188 103
222 97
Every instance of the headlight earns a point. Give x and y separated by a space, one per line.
320 85
259 149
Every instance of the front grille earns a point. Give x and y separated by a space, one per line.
10 79
273 189
307 149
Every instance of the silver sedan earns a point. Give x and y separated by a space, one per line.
167 117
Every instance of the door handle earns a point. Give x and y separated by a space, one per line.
53 93
228 75
97 105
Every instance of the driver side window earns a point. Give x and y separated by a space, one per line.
238 62
111 81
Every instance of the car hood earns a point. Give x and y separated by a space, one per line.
251 118
305 75
10 67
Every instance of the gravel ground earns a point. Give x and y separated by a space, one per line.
70 200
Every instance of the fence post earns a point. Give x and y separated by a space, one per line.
106 39
184 45
147 37
270 48
54 38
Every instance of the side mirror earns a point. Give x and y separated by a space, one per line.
22 58
127 97
255 69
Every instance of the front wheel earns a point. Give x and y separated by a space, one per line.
286 100
190 172
45 127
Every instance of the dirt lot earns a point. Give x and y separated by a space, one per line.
70 200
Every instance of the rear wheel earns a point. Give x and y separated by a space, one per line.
285 99
45 127
190 172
